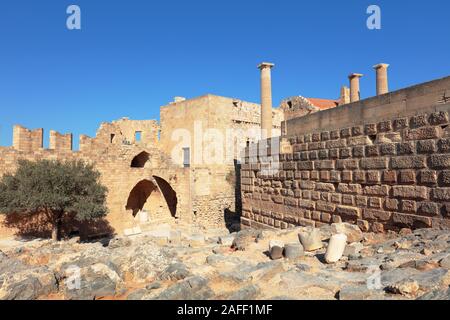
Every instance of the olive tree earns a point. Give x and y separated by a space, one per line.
56 189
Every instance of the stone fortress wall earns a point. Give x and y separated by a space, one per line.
141 164
128 169
382 163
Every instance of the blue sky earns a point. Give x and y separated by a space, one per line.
133 56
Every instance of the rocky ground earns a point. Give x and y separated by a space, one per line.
176 262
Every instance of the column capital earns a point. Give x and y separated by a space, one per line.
355 75
381 65
264 65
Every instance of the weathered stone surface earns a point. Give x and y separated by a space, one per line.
175 271
245 238
28 284
249 292
226 240
445 263
353 248
406 288
436 295
311 240
360 293
194 288
276 249
293 251
336 248
353 233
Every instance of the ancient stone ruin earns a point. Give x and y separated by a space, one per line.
381 163
226 199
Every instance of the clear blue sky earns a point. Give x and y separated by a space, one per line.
133 56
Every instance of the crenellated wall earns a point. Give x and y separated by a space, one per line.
113 158
27 140
60 141
381 163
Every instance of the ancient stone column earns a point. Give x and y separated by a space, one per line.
354 87
266 100
382 78
345 96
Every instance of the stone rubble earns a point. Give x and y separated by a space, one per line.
249 264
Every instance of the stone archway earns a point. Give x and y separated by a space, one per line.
152 200
140 160
169 194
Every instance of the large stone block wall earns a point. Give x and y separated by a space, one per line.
382 175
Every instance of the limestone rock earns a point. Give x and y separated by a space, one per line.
353 249
445 263
276 249
226 240
175 271
28 284
137 295
336 248
353 233
436 295
119 242
245 238
311 240
193 288
360 293
293 251
406 288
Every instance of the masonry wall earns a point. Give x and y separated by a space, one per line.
384 169
113 159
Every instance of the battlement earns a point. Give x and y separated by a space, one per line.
27 140
60 141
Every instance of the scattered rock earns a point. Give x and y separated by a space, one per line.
353 249
353 233
194 288
196 240
445 263
137 295
360 293
405 231
311 240
245 238
303 267
249 292
176 271
28 284
293 251
119 243
276 249
436 295
406 288
336 248
153 285
226 240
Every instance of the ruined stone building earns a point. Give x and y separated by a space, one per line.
382 162
157 172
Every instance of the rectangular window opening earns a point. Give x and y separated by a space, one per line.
138 136
186 157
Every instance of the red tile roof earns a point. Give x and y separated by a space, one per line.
324 104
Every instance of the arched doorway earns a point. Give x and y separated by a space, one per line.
152 201
140 160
